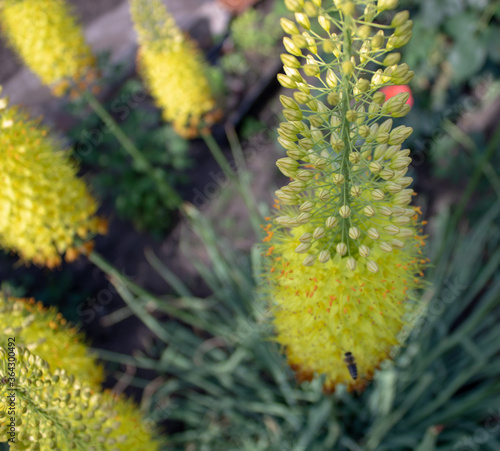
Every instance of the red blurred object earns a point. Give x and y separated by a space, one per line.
391 91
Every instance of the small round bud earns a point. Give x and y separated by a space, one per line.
347 68
288 26
302 248
309 260
324 256
364 251
391 229
305 238
345 211
385 211
355 191
373 233
324 195
341 249
397 243
375 167
294 5
324 22
369 211
354 233
351 263
384 246
354 157
304 218
331 222
307 207
338 179
377 194
319 233
372 266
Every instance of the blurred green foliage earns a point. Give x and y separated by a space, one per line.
134 193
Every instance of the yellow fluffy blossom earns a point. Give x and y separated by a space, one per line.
47 334
44 207
48 38
344 250
173 68
44 408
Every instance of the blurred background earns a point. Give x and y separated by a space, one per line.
202 262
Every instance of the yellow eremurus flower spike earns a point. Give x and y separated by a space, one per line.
342 268
45 209
49 40
173 68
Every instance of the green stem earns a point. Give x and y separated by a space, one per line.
233 176
141 164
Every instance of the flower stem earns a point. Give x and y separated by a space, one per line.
140 162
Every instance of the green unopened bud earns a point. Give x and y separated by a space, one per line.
331 222
288 26
341 249
324 23
355 191
338 179
404 181
375 167
400 18
404 29
306 143
302 248
399 135
385 211
304 218
391 229
377 194
294 5
369 211
290 61
287 166
282 220
307 207
397 244
354 157
364 32
286 81
364 251
400 163
384 5
311 70
385 247
345 211
298 186
333 98
303 20
392 59
291 47
377 40
369 12
309 260
290 104
406 233
373 233
324 256
304 175
392 187
372 266
351 263
311 9
319 233
379 97
347 68
324 195
401 220
354 233
300 41
364 131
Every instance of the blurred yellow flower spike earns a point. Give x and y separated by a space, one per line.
344 256
45 209
56 410
173 69
47 37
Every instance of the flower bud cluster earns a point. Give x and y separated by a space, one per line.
344 155
54 409
48 38
344 251
173 69
44 207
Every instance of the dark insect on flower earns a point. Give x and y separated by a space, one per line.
351 365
